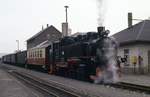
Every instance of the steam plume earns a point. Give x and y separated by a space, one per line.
101 4
107 55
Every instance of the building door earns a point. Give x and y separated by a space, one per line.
149 61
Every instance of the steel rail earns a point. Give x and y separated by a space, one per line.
132 87
57 89
46 91
61 86
69 88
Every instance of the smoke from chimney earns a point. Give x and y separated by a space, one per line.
101 11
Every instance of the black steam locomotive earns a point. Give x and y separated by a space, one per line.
79 57
74 57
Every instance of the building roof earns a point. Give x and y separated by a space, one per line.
137 33
48 28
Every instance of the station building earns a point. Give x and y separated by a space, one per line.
134 45
49 34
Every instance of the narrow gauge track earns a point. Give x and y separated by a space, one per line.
122 85
132 87
47 89
70 89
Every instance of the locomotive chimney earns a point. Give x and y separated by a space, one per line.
129 19
100 29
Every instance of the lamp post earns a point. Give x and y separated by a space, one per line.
17 44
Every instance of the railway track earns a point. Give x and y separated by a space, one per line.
47 89
132 87
59 91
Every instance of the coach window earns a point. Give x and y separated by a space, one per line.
31 54
40 53
35 53
28 54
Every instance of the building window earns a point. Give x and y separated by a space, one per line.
126 51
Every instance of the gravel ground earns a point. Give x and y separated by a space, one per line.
10 87
84 87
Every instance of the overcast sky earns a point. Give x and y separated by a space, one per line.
20 19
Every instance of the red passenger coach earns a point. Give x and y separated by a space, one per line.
39 55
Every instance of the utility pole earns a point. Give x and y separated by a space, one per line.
66 9
17 44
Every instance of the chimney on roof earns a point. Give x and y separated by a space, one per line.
47 25
42 27
64 29
129 19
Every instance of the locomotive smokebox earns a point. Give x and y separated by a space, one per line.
100 29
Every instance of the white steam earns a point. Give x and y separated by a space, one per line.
109 74
101 4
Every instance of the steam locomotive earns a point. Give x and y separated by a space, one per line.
73 57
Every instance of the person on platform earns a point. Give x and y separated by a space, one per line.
119 66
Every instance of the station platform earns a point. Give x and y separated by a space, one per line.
11 87
136 79
89 89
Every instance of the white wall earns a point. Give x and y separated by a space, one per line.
136 50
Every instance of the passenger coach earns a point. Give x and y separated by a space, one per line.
38 56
